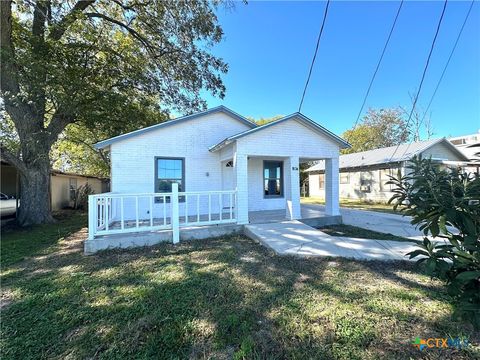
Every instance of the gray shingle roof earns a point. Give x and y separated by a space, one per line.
221 108
383 155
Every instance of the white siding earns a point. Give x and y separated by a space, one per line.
441 151
133 159
351 190
256 200
290 138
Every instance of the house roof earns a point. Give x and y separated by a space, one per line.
297 116
388 155
224 109
59 172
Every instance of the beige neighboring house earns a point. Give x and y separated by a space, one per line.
364 175
62 185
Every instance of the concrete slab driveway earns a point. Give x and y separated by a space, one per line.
376 221
296 238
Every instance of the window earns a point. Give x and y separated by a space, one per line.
344 178
167 172
273 178
384 178
321 181
72 188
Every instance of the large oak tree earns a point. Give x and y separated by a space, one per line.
103 64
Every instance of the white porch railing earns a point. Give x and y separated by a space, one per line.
117 213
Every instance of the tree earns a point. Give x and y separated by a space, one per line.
378 128
105 65
446 204
419 120
263 121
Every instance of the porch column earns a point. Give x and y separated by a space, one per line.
241 174
292 187
332 206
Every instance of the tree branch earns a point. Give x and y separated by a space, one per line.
59 29
8 79
57 125
12 159
134 33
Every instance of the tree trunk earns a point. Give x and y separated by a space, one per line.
35 192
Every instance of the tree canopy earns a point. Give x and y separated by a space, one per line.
378 128
108 66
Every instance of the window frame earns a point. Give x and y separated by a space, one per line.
383 186
281 180
156 179
340 178
70 189
321 180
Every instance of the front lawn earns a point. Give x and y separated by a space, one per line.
226 298
358 232
355 204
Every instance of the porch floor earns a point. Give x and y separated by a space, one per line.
311 215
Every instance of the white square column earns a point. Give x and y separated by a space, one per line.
332 203
241 174
292 187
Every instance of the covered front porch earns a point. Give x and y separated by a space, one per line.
268 187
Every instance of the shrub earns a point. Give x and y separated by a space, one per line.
81 197
445 203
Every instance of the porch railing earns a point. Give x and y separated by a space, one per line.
117 213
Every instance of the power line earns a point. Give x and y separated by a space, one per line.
447 63
378 65
314 55
423 77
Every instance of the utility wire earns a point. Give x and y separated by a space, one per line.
314 55
378 65
423 77
448 62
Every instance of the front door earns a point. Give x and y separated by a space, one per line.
227 176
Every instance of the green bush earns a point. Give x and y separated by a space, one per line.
445 203
81 197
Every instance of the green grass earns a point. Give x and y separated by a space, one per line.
225 298
355 204
18 243
358 232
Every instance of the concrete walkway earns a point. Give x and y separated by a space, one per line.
377 221
296 238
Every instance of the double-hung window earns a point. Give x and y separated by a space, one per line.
167 172
272 179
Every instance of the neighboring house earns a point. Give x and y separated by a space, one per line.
470 146
222 162
62 185
364 175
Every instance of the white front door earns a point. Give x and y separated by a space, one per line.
228 182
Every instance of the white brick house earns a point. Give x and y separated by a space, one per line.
219 156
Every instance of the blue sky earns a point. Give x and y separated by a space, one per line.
269 46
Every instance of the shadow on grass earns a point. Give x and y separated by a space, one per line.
218 298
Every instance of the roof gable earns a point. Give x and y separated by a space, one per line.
296 116
222 109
